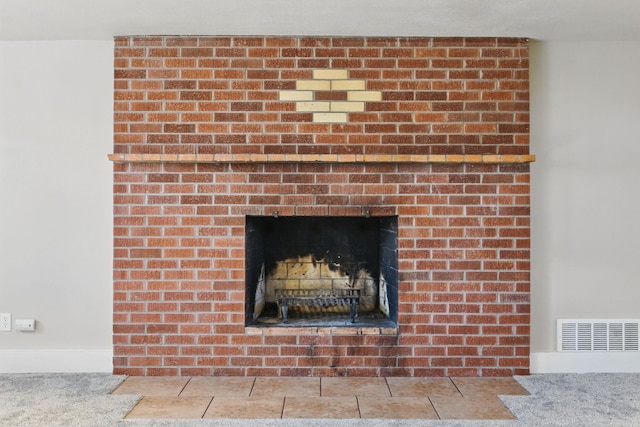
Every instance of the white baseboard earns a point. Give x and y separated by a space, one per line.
584 362
29 361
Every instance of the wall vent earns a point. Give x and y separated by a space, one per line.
598 334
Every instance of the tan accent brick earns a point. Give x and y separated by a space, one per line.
258 158
509 158
328 157
347 106
292 157
241 158
348 85
420 158
309 158
364 95
296 95
345 331
438 158
313 106
330 117
369 331
330 74
223 157
455 158
276 157
313 85
152 157
347 158
491 158
381 158
473 158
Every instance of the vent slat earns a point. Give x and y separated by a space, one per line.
569 340
598 335
631 336
616 340
584 336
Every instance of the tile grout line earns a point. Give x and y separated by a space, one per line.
133 407
456 386
434 407
253 384
284 402
388 387
185 386
208 406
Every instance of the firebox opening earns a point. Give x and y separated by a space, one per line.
317 259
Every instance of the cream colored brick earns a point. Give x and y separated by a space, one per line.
330 117
345 331
347 106
348 85
330 74
313 106
187 158
296 95
364 95
116 157
223 157
369 331
313 85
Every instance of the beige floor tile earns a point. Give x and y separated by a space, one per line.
354 386
397 408
170 407
219 386
488 386
152 386
321 407
286 386
421 387
245 407
470 408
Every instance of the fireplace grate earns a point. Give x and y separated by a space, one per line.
598 334
318 298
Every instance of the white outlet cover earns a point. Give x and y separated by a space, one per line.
5 322
25 325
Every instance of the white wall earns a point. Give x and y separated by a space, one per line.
585 111
55 204
56 212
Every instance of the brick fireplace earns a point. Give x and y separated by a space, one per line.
216 137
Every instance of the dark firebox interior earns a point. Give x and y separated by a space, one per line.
349 244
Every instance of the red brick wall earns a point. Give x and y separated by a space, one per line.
463 212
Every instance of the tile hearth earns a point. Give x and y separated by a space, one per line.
326 397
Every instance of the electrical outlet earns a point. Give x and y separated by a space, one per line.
5 322
25 325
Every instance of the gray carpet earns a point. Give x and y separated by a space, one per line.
72 400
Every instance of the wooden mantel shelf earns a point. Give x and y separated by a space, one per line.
323 158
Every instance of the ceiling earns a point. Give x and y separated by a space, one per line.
558 20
